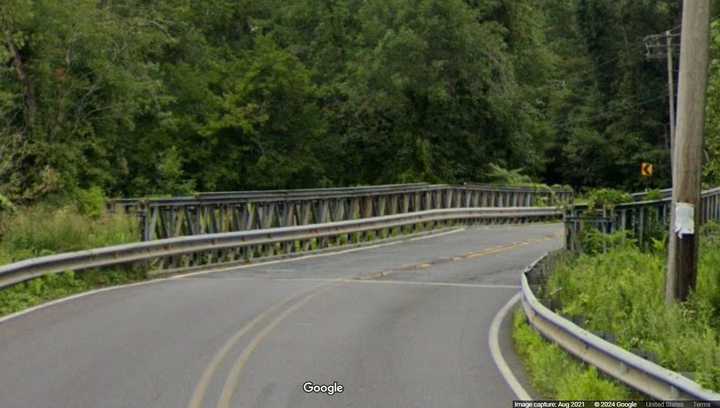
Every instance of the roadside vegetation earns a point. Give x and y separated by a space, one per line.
555 374
620 295
56 286
615 289
62 225
65 224
167 97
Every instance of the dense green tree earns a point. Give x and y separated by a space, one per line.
712 127
175 96
615 114
80 77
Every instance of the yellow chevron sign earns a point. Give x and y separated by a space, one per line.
646 169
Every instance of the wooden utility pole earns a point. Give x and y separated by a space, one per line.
687 153
671 94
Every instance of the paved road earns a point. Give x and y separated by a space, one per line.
404 325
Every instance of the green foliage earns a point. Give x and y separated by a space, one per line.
622 293
554 373
55 286
711 168
83 75
504 176
6 205
90 202
653 195
172 180
607 199
594 241
43 230
143 98
610 103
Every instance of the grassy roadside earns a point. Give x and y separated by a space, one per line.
56 286
46 229
619 295
554 373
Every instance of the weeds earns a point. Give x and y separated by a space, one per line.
45 230
55 286
556 374
621 293
42 230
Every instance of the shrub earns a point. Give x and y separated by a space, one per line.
90 202
595 241
606 198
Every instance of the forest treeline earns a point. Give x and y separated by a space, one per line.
172 96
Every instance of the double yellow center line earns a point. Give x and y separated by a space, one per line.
290 306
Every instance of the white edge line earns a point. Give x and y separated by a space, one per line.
161 279
496 352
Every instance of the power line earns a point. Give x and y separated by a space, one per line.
654 37
654 44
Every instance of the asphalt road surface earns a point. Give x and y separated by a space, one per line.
404 325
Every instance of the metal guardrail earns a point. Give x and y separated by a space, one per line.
637 217
638 373
208 213
642 196
227 249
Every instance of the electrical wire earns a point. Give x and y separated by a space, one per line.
658 37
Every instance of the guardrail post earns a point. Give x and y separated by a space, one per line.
394 202
144 224
381 205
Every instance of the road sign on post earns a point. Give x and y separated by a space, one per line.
646 169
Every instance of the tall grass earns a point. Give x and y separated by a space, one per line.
44 230
620 295
557 375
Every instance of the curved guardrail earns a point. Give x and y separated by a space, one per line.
226 249
638 373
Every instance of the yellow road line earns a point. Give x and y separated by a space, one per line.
234 375
235 372
201 388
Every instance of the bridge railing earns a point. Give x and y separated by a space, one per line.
217 212
643 196
236 248
641 218
643 375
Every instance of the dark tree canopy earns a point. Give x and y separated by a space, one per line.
174 96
